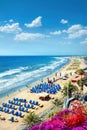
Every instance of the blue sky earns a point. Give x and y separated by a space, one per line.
43 27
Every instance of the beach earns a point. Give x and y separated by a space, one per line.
25 93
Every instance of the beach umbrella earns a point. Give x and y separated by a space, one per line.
14 99
13 107
25 105
30 101
16 113
28 105
10 105
36 103
9 101
22 108
26 109
24 100
21 100
32 106
20 114
85 97
13 112
12 119
19 108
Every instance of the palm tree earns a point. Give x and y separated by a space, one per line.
81 83
69 89
31 119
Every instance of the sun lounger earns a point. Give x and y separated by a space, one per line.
27 110
12 119
34 102
32 106
21 114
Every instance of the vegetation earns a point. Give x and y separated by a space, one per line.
80 71
57 102
65 120
31 119
74 65
81 83
69 89
53 113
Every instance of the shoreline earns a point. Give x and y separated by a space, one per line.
25 93
36 82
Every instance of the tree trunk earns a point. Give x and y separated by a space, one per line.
81 87
70 94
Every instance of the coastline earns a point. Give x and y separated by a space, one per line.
36 82
24 93
33 81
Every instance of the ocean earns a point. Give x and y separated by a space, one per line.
17 72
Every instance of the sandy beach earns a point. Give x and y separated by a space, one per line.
25 93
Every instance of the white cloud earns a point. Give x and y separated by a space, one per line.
11 20
35 23
29 36
84 42
76 31
10 28
56 32
63 21
74 28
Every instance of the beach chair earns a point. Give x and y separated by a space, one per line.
21 115
19 103
10 105
6 110
5 105
14 107
12 119
3 109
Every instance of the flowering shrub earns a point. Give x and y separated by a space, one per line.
65 120
73 118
